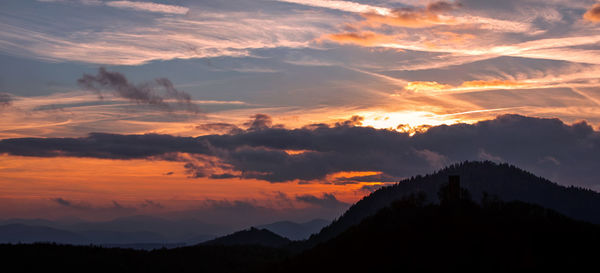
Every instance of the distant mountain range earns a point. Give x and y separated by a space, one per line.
139 232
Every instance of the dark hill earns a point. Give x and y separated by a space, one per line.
505 181
252 236
465 237
296 231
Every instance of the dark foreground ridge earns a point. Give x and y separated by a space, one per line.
402 227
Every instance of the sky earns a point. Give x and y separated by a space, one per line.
284 109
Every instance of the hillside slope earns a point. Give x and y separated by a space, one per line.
296 231
465 237
252 236
507 182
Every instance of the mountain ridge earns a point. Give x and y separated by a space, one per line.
296 231
251 236
507 182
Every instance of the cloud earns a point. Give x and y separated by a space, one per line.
593 14
259 122
137 40
145 93
261 154
148 6
5 100
328 200
110 209
347 6
71 204
130 5
431 86
220 127
152 204
415 17
363 38
84 2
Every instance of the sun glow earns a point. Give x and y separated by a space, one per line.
406 121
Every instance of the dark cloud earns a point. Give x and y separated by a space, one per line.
442 6
353 121
220 127
62 202
431 8
5 100
259 122
328 200
145 93
367 178
223 176
71 204
568 154
101 145
116 205
152 204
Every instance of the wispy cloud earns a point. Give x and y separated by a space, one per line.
232 34
148 6
131 5
347 6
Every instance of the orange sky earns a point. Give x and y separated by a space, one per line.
99 182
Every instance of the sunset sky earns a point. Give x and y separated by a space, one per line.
284 109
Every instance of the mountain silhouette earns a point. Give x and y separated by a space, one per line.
505 181
252 236
296 231
463 236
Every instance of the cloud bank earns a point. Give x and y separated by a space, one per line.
565 153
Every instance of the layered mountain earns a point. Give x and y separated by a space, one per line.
19 233
140 232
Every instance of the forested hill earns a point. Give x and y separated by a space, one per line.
411 236
502 180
